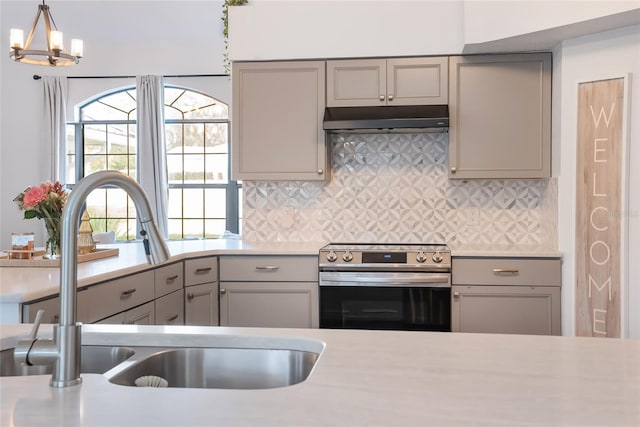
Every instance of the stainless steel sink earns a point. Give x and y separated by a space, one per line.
95 359
227 368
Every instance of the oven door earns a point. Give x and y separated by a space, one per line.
384 300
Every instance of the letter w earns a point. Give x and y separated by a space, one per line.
602 114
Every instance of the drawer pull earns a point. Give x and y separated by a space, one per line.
203 270
505 270
192 295
267 268
456 294
172 318
223 291
128 292
172 278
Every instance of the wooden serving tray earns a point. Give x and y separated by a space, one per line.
38 261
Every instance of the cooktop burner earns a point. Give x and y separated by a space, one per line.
383 247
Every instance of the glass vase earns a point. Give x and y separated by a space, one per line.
53 249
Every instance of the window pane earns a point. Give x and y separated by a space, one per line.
95 139
193 203
174 168
117 106
217 168
193 228
96 203
214 228
194 136
173 138
194 168
175 203
94 163
215 203
175 228
216 137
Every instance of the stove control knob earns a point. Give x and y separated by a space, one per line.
331 256
421 257
437 257
347 257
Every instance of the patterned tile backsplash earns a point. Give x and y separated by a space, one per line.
394 188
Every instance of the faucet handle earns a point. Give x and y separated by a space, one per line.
36 324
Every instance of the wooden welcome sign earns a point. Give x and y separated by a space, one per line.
599 208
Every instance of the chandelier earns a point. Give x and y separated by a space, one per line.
54 55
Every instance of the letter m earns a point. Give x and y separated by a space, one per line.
600 288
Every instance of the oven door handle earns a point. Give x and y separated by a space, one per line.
420 280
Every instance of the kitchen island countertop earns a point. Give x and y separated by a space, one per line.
363 378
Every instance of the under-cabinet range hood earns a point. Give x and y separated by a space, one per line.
406 119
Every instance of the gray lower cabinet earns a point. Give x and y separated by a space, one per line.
201 305
141 315
269 291
51 309
500 116
506 295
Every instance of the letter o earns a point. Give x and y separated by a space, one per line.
599 208
606 260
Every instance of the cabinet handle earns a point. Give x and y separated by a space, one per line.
172 278
454 170
505 271
267 267
223 291
203 270
381 97
192 295
320 171
55 319
390 97
128 292
172 318
456 294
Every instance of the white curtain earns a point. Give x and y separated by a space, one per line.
152 158
53 157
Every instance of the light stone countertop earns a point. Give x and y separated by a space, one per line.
363 378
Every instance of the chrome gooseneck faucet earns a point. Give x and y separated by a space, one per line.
63 351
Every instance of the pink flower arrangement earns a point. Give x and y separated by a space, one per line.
44 201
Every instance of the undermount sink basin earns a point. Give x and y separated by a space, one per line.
95 359
226 368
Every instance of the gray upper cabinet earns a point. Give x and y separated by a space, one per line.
500 116
398 81
277 115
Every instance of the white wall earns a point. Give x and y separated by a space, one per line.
600 56
121 38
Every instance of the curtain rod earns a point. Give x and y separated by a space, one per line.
37 77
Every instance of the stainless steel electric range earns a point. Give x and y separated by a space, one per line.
385 286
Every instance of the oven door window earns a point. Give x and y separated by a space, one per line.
393 308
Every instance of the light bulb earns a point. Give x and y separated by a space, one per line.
77 48
55 38
16 38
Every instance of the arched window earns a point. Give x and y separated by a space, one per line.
203 201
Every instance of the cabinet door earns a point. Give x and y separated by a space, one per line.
500 116
417 81
506 309
358 82
269 304
170 309
278 108
201 305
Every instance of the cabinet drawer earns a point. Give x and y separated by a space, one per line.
269 268
118 295
169 278
506 271
170 309
200 270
